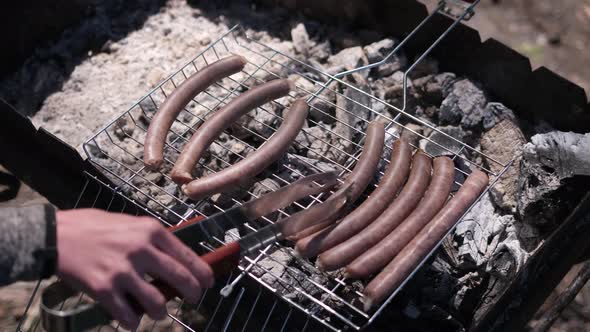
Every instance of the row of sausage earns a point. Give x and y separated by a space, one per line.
396 227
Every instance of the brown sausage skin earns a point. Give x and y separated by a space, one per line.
395 213
383 252
257 161
362 174
220 120
416 251
317 213
393 179
153 150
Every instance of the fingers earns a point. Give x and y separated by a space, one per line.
119 308
175 248
161 266
148 296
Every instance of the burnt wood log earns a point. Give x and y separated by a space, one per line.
527 291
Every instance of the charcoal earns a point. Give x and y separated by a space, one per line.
395 84
258 122
321 51
353 113
496 113
124 128
425 67
464 104
348 59
502 143
431 87
308 136
412 133
297 165
549 160
154 177
273 266
451 146
323 111
480 233
378 51
445 80
566 153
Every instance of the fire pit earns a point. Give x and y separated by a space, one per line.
274 290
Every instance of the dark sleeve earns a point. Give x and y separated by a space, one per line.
27 243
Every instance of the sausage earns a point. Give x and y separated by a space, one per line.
403 205
383 252
153 150
317 213
361 176
257 161
393 179
309 185
416 251
220 120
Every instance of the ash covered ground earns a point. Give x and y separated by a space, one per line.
487 248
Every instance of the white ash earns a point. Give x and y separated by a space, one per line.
300 38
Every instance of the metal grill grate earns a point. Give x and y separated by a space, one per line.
330 302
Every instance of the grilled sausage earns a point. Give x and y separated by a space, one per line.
153 151
257 161
212 127
416 251
383 252
319 212
361 176
393 179
403 205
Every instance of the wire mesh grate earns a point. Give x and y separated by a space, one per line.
293 286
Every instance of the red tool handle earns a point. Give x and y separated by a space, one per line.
222 260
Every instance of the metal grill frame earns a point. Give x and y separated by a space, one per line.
265 60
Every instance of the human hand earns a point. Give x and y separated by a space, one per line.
107 256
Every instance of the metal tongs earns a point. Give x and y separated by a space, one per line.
83 316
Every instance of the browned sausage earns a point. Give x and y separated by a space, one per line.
255 162
212 127
361 176
393 179
416 251
153 150
403 205
309 185
317 213
383 252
